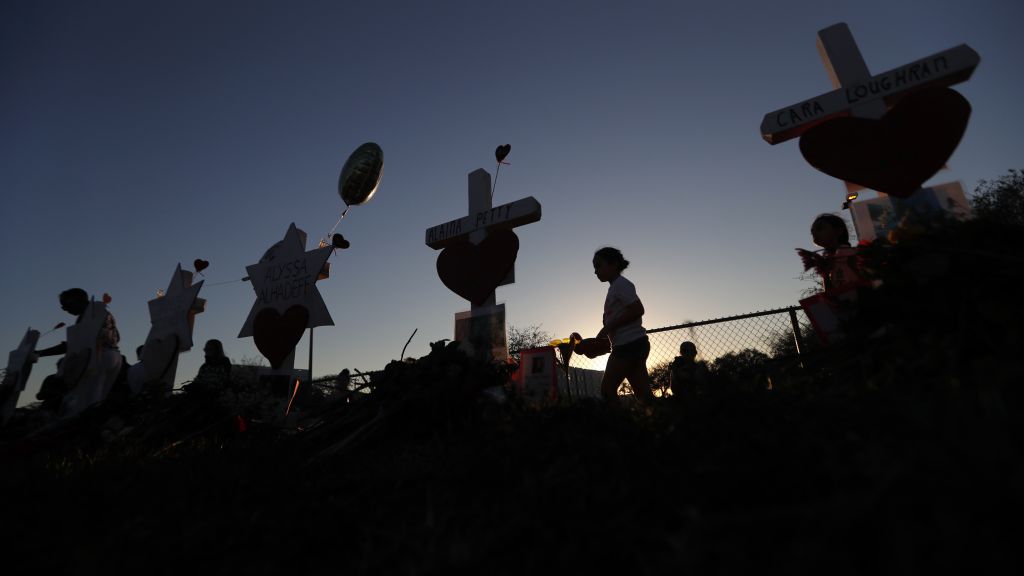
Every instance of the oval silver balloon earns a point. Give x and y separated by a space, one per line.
361 174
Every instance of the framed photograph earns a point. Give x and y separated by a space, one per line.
481 332
876 217
537 377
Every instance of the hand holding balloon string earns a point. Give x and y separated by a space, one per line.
34 357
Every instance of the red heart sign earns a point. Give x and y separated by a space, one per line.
200 264
474 271
277 334
897 153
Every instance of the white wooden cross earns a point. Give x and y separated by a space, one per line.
482 217
858 93
484 323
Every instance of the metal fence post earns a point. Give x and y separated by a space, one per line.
796 332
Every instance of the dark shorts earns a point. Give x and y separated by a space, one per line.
636 350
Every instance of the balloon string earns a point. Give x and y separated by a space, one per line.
224 282
495 183
340 218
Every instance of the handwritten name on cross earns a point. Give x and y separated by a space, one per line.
483 217
857 93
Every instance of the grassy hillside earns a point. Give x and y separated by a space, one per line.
897 452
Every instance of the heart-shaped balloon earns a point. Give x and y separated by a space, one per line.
894 154
200 264
501 152
157 356
338 241
276 334
474 271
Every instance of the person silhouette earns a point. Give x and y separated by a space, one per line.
84 378
215 373
622 325
687 375
342 379
837 262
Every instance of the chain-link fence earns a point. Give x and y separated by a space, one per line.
769 334
772 333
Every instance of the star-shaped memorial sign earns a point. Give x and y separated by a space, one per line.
171 314
81 341
287 301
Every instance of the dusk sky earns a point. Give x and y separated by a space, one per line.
137 135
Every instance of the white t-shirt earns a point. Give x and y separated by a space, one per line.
622 293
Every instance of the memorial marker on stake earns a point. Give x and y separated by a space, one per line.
858 93
81 341
172 316
18 370
479 252
82 366
287 301
889 132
